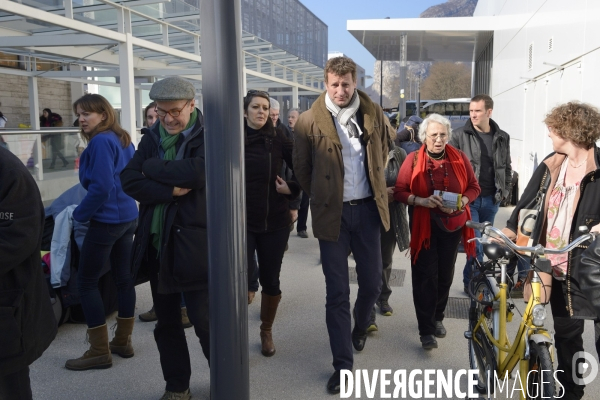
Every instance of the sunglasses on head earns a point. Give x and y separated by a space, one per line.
253 92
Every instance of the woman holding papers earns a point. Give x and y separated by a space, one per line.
437 220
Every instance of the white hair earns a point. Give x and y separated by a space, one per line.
274 103
434 118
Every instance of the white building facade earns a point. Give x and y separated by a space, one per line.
529 55
552 58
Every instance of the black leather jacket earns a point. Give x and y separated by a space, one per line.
464 139
567 298
589 274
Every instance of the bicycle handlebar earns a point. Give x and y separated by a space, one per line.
538 250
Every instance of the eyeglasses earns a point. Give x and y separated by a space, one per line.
443 137
173 113
253 92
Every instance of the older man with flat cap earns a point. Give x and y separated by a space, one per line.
167 176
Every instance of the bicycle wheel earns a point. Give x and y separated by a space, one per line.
481 352
540 376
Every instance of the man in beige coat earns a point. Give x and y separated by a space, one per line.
340 154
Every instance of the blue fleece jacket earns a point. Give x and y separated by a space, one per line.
100 167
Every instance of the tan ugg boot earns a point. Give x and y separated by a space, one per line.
121 343
98 356
268 309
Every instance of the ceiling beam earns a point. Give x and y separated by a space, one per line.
75 39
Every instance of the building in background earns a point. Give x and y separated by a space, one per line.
54 51
528 55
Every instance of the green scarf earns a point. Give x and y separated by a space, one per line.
167 142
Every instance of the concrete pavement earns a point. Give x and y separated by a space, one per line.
302 364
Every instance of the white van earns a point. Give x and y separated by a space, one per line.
456 110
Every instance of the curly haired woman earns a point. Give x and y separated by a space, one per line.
570 202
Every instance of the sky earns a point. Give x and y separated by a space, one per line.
335 13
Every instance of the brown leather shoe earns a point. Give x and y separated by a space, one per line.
185 321
148 316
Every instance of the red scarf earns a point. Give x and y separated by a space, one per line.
421 224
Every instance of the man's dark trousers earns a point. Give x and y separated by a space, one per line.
303 213
359 232
482 209
169 333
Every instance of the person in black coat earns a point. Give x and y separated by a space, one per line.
267 203
167 176
27 323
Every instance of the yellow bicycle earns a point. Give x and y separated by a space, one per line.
490 350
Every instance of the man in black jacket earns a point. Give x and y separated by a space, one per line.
27 324
167 176
488 149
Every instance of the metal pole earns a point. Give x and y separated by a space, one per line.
226 198
381 83
34 121
418 102
403 70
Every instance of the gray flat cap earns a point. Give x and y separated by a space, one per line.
172 88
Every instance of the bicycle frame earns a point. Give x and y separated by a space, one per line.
509 355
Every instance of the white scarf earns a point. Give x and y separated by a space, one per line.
344 115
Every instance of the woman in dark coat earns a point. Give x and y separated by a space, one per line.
571 201
53 120
27 324
267 204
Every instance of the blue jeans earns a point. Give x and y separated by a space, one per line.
105 243
482 209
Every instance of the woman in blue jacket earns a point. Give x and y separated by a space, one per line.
112 219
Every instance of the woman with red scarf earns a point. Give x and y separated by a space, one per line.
436 226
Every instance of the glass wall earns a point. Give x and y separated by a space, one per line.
289 25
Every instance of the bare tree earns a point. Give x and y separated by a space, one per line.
447 80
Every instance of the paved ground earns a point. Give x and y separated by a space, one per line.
302 365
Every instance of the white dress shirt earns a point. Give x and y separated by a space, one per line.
356 185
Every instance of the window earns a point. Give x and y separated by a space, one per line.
438 108
9 60
465 109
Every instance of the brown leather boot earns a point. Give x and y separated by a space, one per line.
121 343
98 356
268 309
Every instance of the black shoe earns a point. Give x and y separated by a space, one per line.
303 234
440 331
372 326
428 342
333 384
65 163
384 308
359 338
466 289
